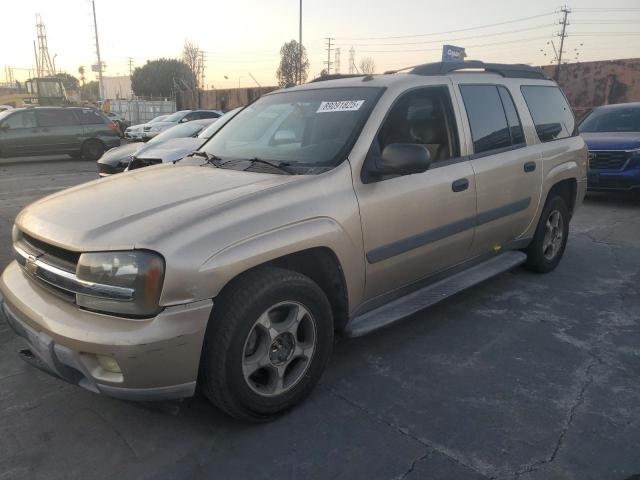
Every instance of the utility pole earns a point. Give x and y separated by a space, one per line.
565 11
202 60
300 46
130 65
336 60
95 28
329 62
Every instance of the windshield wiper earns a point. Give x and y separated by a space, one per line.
209 157
282 166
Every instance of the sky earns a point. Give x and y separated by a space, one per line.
243 37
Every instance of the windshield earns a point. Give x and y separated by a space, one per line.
305 128
179 131
175 117
158 119
218 124
625 119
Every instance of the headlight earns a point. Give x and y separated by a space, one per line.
156 128
140 271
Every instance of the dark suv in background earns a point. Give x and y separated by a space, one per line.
76 131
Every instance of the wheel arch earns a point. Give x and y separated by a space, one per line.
320 264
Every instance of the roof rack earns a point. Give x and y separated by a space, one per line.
506 70
337 76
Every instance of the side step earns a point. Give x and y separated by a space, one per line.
432 294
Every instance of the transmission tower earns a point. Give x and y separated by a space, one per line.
44 63
336 60
352 61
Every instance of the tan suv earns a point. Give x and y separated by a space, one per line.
339 205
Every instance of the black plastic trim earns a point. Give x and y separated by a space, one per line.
429 236
503 69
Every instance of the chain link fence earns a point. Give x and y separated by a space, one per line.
141 111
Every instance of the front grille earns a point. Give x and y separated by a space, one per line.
607 160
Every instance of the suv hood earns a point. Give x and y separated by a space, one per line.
170 150
612 140
141 207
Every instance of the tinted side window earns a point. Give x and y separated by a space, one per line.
487 118
551 114
21 120
55 117
515 127
91 117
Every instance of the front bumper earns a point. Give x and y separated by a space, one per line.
158 357
614 180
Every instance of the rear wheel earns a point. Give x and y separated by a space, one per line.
267 344
92 149
549 242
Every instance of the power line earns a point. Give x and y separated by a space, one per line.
522 19
508 32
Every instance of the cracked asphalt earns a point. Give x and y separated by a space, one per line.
524 377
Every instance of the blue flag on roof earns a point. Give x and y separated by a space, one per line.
451 53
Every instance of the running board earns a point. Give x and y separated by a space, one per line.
432 294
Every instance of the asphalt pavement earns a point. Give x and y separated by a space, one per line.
526 376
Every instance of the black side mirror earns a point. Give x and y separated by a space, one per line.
403 159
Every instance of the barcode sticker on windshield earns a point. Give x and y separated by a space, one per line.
340 106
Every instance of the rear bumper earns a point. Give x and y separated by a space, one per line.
158 357
617 180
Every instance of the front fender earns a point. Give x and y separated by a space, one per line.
237 258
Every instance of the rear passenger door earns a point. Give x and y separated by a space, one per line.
508 174
94 124
59 129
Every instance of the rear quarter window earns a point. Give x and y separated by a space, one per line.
550 111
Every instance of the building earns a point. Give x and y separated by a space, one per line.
117 87
591 84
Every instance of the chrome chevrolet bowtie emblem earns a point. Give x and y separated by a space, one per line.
30 265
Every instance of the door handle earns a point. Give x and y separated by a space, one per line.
529 167
460 185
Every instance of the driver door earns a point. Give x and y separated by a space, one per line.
416 225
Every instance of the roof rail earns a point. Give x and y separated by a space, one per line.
336 76
506 70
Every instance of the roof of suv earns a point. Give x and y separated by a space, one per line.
430 70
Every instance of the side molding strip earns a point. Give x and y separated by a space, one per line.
424 238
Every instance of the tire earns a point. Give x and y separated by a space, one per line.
545 252
92 149
237 341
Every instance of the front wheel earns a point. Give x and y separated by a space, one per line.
267 344
549 242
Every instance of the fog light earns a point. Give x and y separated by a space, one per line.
108 363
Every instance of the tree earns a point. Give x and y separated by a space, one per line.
287 73
191 56
367 65
160 78
71 83
90 91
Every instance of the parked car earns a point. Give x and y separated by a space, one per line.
612 133
134 132
169 144
342 205
182 116
76 131
119 120
178 148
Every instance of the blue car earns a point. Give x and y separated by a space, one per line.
612 134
